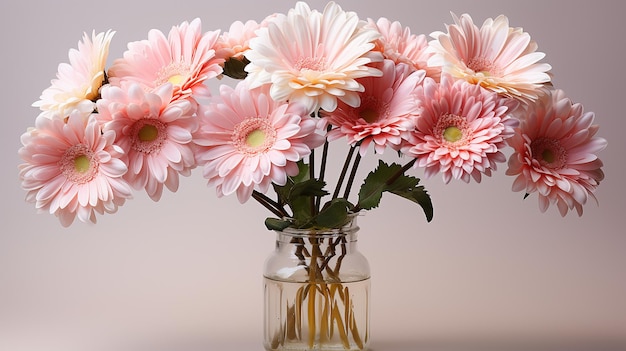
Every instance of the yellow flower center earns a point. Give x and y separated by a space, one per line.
255 138
148 133
452 134
453 131
82 163
79 164
177 79
176 73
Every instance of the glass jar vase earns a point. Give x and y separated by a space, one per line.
317 291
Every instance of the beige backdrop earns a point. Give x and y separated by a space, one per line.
490 271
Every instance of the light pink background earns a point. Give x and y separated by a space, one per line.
490 271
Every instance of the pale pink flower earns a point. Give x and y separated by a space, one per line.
233 44
154 131
236 40
247 140
398 44
554 155
313 58
460 130
78 82
71 169
387 112
494 56
186 58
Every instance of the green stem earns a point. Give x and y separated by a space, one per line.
344 170
323 167
404 168
313 208
355 166
270 204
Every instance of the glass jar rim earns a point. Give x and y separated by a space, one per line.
350 227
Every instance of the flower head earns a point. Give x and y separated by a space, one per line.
77 84
186 58
247 141
236 40
399 45
233 44
460 130
387 111
313 58
154 131
71 169
494 56
554 155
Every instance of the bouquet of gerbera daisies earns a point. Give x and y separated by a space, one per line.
448 105
307 78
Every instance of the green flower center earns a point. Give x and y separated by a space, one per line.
452 134
254 135
549 153
255 138
453 131
79 164
148 133
82 163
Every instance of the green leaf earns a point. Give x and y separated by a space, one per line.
375 184
390 178
418 195
334 214
276 224
309 187
235 68
299 194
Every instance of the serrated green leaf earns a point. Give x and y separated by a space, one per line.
334 214
386 178
309 187
375 184
276 224
418 195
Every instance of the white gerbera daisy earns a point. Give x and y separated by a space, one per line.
313 58
78 82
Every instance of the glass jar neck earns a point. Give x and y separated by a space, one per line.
346 234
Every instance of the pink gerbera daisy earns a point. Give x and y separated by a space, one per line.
248 141
186 58
460 130
236 40
495 56
233 44
154 131
555 154
71 169
387 111
398 44
313 58
78 83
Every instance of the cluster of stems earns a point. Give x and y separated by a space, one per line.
322 309
353 157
